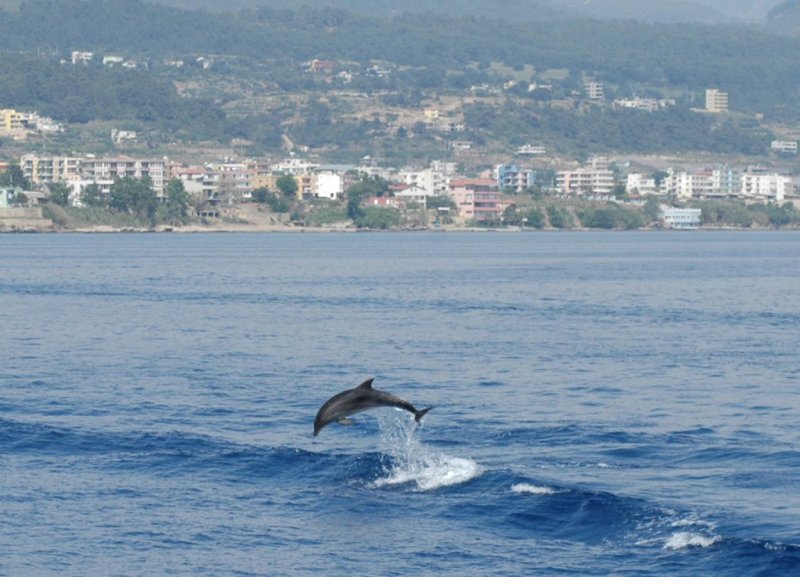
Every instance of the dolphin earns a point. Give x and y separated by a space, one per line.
361 398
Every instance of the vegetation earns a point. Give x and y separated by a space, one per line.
260 50
737 214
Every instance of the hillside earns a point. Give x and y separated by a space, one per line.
697 11
246 77
786 17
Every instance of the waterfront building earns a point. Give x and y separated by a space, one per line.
513 177
686 218
595 179
477 198
639 184
44 169
104 170
756 183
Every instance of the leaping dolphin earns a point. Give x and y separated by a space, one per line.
361 398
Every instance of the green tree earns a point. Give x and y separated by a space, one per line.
59 193
261 194
378 217
535 218
14 177
287 184
365 187
134 196
91 195
177 202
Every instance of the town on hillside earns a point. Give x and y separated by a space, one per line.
452 191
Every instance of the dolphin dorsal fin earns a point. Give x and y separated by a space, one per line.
366 384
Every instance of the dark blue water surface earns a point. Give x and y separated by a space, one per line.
604 404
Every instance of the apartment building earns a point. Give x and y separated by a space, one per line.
18 125
477 198
513 177
716 101
595 179
44 169
759 184
640 184
594 90
104 170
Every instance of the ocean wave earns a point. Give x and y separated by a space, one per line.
527 488
411 461
687 539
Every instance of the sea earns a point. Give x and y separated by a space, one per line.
604 403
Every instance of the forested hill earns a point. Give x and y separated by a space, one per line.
760 70
697 11
786 17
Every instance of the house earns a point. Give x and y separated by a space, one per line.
384 202
410 194
329 184
477 199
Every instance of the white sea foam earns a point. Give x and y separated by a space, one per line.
416 463
685 539
533 489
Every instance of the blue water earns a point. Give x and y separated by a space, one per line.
604 404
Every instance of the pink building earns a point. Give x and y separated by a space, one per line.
477 198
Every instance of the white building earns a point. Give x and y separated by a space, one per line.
433 180
716 101
106 169
412 194
638 183
721 182
295 166
681 217
531 150
595 179
329 185
787 146
766 186
594 90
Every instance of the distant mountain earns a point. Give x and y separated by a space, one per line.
696 11
786 17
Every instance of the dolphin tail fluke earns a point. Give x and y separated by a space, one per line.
419 414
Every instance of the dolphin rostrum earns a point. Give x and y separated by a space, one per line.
362 398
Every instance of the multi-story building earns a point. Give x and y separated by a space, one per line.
330 185
513 177
477 198
18 125
757 183
716 100
595 179
639 184
104 170
787 146
44 169
594 90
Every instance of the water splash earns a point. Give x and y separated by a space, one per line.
409 461
686 539
527 488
